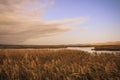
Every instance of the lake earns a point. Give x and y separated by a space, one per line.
89 49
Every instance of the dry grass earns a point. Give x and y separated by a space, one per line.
58 65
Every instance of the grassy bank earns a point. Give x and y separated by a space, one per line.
108 47
31 46
58 65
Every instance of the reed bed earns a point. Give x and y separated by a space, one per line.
38 64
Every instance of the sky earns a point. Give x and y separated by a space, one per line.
52 22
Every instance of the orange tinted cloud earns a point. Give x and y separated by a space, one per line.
21 20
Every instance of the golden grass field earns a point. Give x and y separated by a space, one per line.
58 65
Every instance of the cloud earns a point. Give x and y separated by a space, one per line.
21 20
68 21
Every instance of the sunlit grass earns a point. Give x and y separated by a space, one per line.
58 65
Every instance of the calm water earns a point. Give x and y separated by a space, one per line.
89 49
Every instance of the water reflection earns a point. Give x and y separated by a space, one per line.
90 50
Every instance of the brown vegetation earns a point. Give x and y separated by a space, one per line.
108 47
58 65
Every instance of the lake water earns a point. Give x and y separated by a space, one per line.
89 49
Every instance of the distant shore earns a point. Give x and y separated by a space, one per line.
107 48
39 46
96 47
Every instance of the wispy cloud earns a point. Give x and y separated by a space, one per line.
21 20
68 21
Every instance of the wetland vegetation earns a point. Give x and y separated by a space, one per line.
58 65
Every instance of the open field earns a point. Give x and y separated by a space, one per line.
58 65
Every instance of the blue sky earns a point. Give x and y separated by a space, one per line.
104 19
59 21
